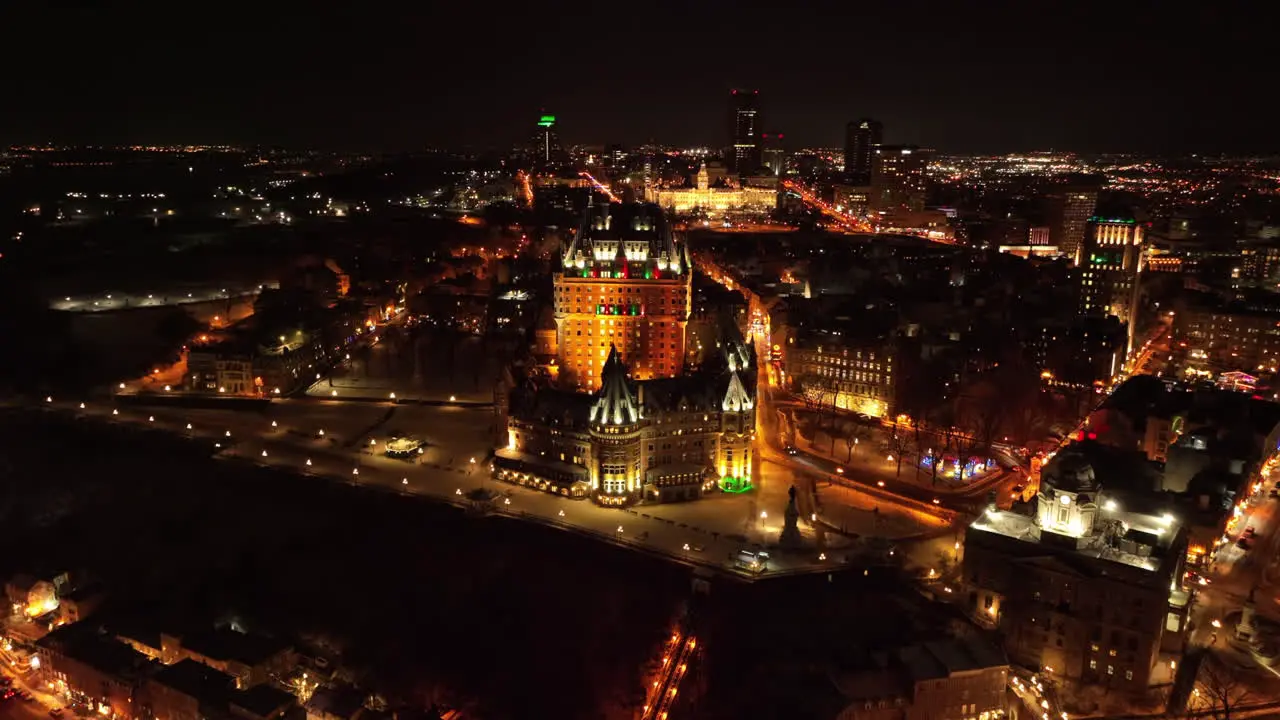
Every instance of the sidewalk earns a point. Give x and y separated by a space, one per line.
40 694
868 462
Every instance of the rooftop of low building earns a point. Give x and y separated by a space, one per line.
85 643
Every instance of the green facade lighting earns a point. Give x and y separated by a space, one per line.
547 121
735 485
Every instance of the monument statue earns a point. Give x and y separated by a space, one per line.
790 530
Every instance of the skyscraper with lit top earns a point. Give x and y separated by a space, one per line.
624 282
744 132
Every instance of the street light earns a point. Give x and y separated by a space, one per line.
764 515
308 462
81 406
355 471
167 388
264 453
115 412
393 396
151 418
404 481
49 399
188 426
228 433
453 398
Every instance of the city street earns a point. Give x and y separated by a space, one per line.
1236 572
163 296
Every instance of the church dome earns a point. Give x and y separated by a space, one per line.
1069 472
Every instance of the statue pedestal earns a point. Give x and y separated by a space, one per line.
791 538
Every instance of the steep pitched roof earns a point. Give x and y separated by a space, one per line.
736 398
615 404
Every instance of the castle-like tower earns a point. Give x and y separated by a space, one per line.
655 440
624 281
615 436
737 421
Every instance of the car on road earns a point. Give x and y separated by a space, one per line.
790 450
56 712
1249 532
1243 544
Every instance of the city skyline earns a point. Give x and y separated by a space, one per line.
361 83
438 364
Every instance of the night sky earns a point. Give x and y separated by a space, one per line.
980 77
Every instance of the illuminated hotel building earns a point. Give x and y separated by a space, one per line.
658 440
624 283
1111 261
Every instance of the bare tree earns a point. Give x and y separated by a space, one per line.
950 422
900 445
986 414
1219 692
829 410
854 434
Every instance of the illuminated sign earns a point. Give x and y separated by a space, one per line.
547 121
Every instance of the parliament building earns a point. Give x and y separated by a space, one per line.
624 420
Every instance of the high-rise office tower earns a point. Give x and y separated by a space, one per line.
744 131
897 177
1071 201
1110 262
772 154
546 143
861 138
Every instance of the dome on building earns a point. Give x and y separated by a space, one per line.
1069 472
